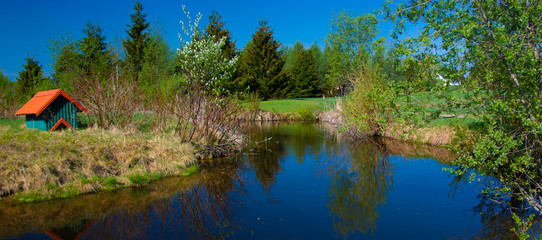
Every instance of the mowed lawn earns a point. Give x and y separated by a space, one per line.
299 104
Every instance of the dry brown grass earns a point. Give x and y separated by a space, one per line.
70 162
435 135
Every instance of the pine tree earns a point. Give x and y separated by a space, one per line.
93 48
261 64
304 76
28 79
136 41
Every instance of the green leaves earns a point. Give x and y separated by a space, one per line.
493 48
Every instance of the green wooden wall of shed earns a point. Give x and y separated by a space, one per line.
59 108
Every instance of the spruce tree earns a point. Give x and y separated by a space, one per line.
261 64
28 79
304 76
93 48
136 41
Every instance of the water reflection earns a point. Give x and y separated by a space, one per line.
360 173
358 188
195 207
342 189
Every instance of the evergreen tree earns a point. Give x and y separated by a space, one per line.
261 64
304 76
136 41
93 48
217 30
28 79
291 55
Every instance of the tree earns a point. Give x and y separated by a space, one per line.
157 65
494 46
304 76
66 61
261 64
217 31
28 79
291 55
351 41
7 97
135 44
320 59
201 61
95 54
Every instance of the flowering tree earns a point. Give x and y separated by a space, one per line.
201 59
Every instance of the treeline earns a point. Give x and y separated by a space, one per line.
264 68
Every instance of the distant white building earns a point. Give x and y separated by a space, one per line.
448 82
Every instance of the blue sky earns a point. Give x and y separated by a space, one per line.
27 26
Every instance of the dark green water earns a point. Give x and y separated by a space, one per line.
296 181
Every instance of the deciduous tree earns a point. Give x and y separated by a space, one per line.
494 46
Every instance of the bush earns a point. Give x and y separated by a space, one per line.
368 105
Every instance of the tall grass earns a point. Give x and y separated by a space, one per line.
37 163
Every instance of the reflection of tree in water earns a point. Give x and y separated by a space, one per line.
496 214
204 210
358 186
268 151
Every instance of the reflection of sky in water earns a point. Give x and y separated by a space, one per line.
307 185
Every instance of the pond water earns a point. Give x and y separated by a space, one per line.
296 181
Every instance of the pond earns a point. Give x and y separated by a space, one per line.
295 181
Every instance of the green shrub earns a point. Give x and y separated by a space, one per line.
307 114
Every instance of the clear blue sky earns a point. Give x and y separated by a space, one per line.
27 26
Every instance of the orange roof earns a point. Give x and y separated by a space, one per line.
42 99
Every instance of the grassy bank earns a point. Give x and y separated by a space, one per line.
299 104
37 165
295 109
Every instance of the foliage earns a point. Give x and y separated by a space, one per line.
8 100
493 48
351 41
218 32
30 79
136 43
369 106
291 55
261 64
95 55
201 60
320 59
155 78
202 112
305 76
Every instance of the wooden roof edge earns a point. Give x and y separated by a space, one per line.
58 93
60 121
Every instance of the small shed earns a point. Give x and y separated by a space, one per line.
49 110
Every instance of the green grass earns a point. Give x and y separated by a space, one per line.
12 123
298 104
